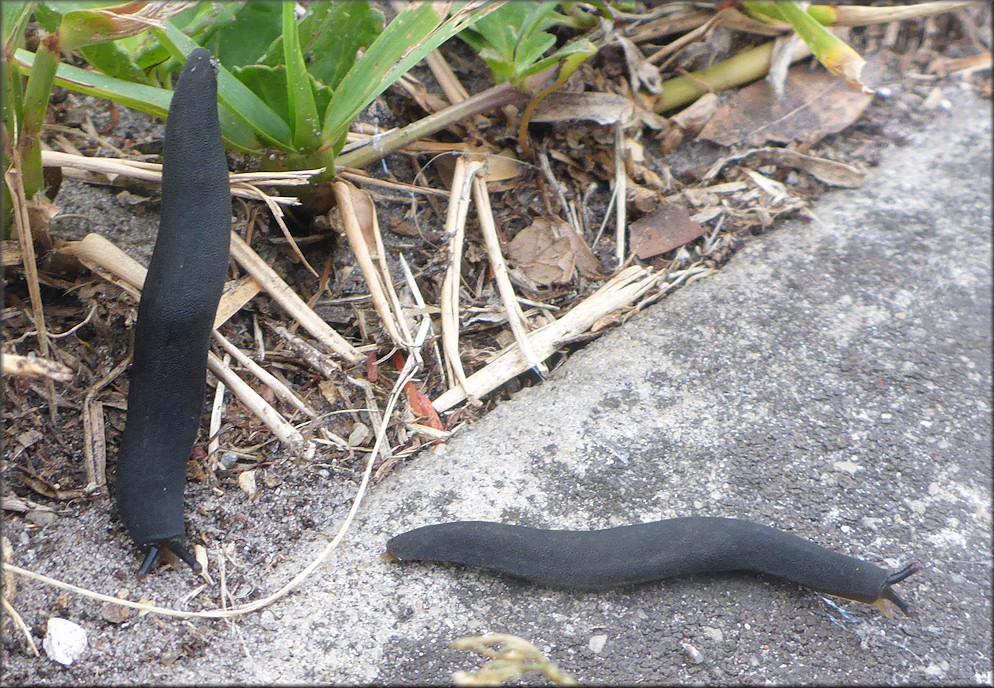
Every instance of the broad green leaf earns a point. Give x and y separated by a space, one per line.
110 59
233 93
241 39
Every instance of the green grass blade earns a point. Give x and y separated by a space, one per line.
413 33
148 99
835 54
247 106
299 93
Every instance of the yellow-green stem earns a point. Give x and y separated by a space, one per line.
735 71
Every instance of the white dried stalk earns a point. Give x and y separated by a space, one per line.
267 378
622 290
109 259
32 366
515 317
376 280
455 227
621 187
217 411
291 302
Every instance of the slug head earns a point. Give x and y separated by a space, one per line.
157 552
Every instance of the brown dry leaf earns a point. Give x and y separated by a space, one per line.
365 213
826 171
545 257
602 108
662 230
815 104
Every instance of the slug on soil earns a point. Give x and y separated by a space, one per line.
175 317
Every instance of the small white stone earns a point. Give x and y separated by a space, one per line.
692 653
597 643
65 641
714 634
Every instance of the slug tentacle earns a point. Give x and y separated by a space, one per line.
628 555
175 316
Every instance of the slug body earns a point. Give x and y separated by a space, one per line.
175 318
627 555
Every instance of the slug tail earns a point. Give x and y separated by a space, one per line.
157 550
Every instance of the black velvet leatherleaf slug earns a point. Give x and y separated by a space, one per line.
175 316
627 555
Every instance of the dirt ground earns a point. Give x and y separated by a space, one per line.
55 527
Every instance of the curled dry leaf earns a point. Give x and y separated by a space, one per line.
602 108
549 251
662 230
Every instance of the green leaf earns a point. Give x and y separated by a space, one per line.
110 59
240 38
246 105
14 18
148 99
414 32
300 95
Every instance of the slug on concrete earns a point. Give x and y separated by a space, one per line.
175 316
600 559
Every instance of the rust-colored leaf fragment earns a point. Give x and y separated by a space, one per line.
662 230
549 251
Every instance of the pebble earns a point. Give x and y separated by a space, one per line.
597 643
65 641
692 653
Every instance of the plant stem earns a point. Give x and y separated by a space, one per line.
494 97
36 96
745 67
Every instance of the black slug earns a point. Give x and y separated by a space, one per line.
175 316
600 559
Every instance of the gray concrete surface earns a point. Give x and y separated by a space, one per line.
833 381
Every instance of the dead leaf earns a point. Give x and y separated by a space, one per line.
640 71
543 257
826 171
815 104
662 230
602 108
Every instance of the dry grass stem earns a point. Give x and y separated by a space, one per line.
446 78
455 227
32 366
267 378
291 302
620 291
217 412
22 223
277 213
378 280
621 187
283 431
94 439
234 299
19 622
515 317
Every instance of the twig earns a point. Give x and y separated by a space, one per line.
94 442
623 289
32 366
15 184
515 317
293 304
